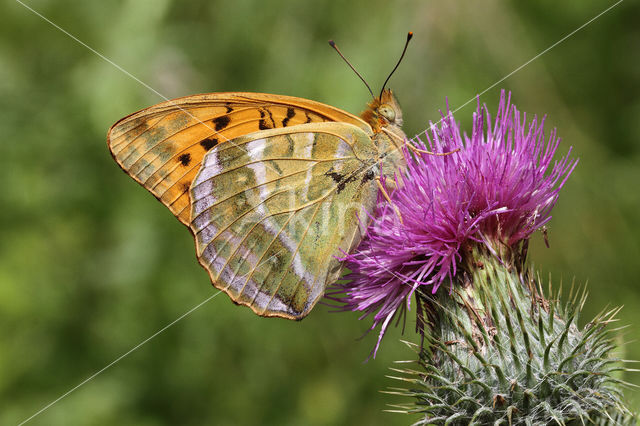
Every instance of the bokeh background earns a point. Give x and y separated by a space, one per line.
91 264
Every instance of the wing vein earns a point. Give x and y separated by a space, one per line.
313 160
258 263
319 199
168 139
257 185
123 140
129 143
293 259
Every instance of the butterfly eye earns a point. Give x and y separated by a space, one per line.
387 112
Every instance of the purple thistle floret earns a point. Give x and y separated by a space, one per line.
496 190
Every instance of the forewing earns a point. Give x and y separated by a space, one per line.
162 147
272 211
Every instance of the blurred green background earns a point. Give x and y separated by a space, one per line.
91 264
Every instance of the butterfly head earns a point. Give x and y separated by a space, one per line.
384 112
385 118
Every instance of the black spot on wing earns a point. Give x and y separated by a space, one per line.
263 124
290 114
340 179
273 123
337 177
185 159
346 181
208 143
221 122
369 175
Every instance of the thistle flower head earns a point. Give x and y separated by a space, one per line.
495 190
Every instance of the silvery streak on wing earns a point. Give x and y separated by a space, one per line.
255 151
261 176
276 210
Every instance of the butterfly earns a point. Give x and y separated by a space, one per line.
273 188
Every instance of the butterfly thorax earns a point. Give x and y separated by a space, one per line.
384 111
384 115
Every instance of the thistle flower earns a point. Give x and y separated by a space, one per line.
496 190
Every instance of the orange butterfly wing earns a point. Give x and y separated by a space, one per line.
162 146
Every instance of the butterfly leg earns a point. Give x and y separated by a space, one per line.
386 196
424 151
414 148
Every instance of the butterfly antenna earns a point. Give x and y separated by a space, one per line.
409 36
333 44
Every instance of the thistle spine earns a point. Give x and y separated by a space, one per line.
498 352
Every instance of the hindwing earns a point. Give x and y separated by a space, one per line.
271 212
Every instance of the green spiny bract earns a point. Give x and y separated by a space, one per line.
497 352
